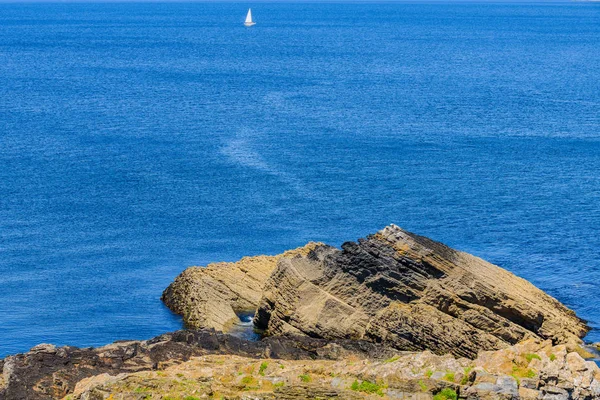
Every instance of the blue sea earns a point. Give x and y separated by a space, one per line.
140 138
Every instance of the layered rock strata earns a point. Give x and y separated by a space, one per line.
210 297
411 293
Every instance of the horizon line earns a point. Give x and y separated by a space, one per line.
246 3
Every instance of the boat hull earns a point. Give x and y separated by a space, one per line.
249 23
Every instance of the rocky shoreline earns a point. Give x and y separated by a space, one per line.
394 315
205 364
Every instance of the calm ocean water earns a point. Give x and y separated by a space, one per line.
138 139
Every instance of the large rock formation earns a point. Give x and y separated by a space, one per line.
411 293
211 296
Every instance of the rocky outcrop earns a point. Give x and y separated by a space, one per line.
411 293
530 370
540 371
206 364
48 371
210 297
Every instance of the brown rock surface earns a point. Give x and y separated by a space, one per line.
209 297
48 372
411 293
206 364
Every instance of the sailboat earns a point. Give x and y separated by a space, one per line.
249 19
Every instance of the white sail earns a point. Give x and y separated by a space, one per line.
249 18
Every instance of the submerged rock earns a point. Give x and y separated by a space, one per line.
411 293
209 297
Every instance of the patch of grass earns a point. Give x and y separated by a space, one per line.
279 384
367 387
531 373
305 378
552 357
449 377
249 383
465 378
391 360
428 373
531 356
263 367
446 394
423 386
141 389
522 372
191 398
281 366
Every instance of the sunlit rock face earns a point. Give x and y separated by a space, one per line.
213 296
411 293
